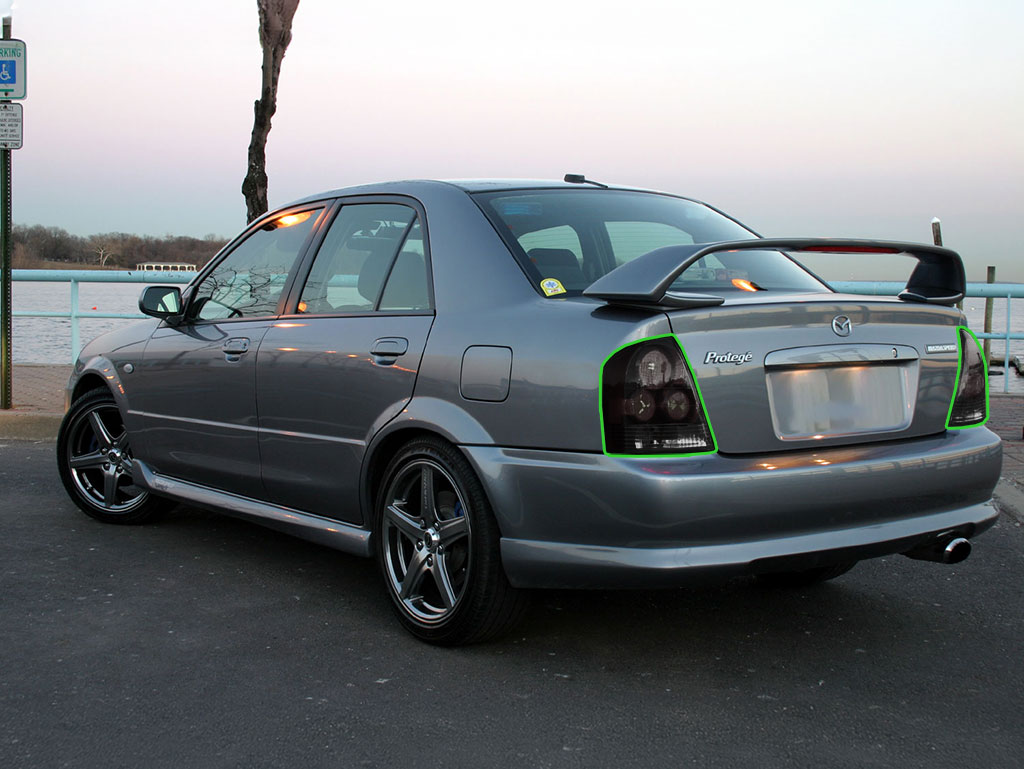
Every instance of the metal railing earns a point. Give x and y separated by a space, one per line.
1005 291
75 277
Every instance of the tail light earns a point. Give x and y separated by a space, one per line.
650 402
970 403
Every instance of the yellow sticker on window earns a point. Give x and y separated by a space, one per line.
552 287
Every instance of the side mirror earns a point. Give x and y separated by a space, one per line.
163 302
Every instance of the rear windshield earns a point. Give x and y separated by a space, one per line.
577 236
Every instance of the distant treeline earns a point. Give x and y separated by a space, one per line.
40 247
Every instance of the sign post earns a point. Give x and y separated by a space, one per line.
12 86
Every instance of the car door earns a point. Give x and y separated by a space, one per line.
345 363
194 399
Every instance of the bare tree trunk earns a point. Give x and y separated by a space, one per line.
275 35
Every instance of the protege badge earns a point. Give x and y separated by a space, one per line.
729 357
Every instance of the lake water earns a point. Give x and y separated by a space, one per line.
48 340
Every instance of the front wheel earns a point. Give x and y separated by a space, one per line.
438 548
95 462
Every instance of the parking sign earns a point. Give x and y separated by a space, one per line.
10 126
12 69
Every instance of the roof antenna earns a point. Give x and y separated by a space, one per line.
581 179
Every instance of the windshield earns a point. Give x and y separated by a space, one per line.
567 239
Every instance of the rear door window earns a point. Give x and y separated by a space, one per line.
407 289
372 259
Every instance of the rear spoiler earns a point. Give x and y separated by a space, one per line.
938 277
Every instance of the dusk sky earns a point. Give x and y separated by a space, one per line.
859 119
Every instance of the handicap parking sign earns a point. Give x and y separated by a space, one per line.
8 72
12 69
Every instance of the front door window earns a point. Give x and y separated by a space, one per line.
249 281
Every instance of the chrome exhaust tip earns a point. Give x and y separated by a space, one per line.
942 550
957 550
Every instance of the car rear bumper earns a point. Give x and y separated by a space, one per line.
588 520
554 564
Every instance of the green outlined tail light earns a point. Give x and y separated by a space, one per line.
970 403
651 404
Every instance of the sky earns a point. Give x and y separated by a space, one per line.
807 117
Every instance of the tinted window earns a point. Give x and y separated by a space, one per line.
406 289
553 237
248 282
556 253
746 271
577 236
359 254
631 239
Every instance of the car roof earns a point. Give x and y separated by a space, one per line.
491 185
414 186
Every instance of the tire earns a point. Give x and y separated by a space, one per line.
437 545
95 463
806 577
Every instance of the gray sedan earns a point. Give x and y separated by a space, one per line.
496 386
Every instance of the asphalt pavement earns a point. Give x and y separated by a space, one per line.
202 641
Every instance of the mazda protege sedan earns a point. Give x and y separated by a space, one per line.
501 385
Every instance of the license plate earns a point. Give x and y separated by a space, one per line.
831 401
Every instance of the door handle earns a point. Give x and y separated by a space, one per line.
235 347
390 345
387 349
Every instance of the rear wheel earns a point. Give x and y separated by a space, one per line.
805 577
438 548
94 459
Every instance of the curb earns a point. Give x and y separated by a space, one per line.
29 425
1009 498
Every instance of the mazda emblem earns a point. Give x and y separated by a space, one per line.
841 325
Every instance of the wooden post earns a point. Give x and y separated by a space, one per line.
989 278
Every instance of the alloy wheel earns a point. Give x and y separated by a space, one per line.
427 540
99 460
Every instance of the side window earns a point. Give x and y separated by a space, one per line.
249 281
632 239
359 254
406 288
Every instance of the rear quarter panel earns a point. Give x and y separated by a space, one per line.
558 345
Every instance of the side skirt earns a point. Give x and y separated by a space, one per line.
323 531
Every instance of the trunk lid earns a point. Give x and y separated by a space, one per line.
797 371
